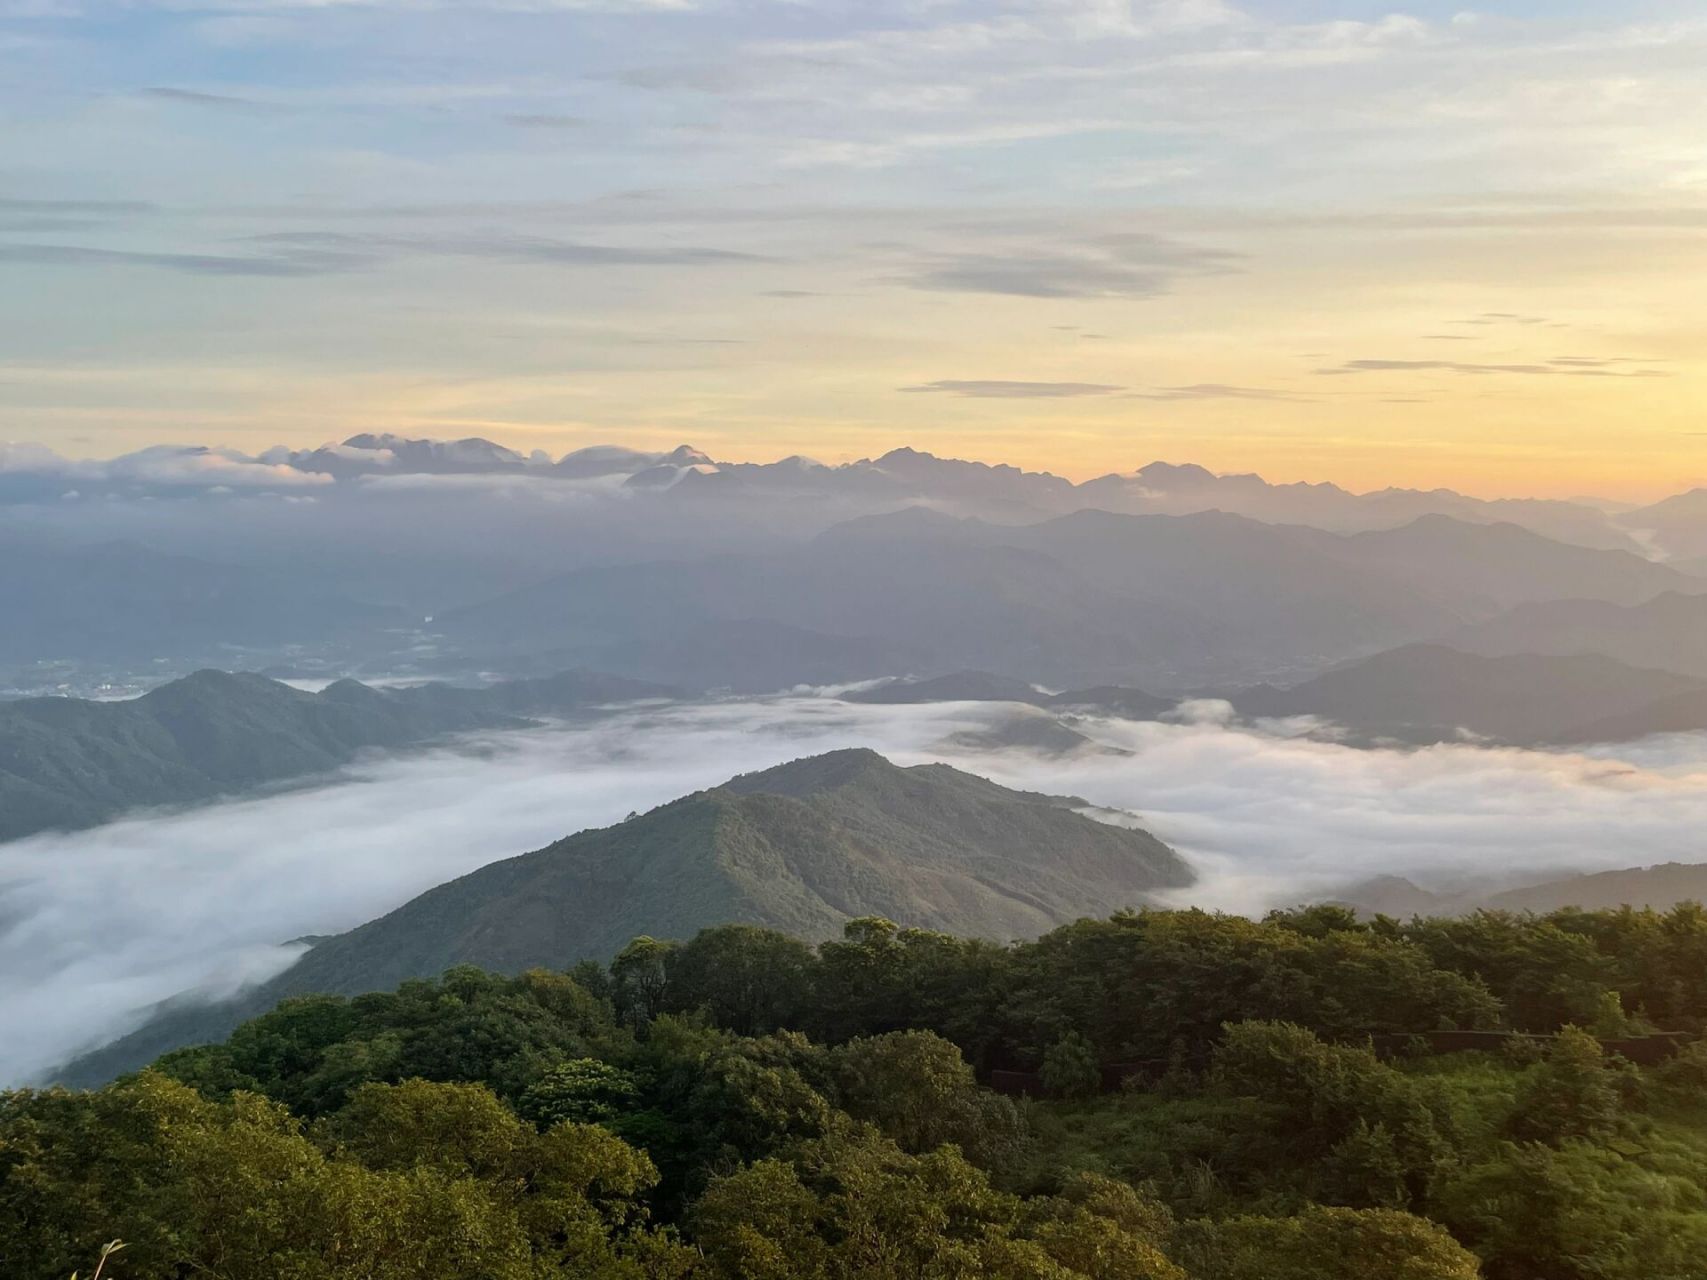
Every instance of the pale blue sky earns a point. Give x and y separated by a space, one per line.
750 224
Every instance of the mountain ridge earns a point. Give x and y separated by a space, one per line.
806 846
1425 693
1163 602
903 473
70 763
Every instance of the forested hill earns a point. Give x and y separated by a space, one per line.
803 847
744 1106
67 763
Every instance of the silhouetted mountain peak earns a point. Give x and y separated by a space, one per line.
1174 475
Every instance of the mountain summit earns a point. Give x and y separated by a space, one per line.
803 847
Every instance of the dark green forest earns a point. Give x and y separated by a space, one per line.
1182 1096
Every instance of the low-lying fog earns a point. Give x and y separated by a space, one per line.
97 926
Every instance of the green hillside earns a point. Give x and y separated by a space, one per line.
67 763
804 847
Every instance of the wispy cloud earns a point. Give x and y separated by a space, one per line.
1131 265
197 98
538 120
998 389
89 208
1213 391
264 7
1568 366
293 263
1505 317
1039 276
513 247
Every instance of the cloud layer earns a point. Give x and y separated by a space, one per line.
97 926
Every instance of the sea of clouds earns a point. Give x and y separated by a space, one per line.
97 926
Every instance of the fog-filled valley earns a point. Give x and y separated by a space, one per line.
101 925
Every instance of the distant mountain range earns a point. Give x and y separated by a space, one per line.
1668 631
1430 693
67 763
1659 887
122 600
1676 526
803 847
981 686
1160 602
1415 694
389 554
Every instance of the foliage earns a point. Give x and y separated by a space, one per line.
1325 1244
744 1105
240 1189
1571 1094
584 1091
1070 1068
919 1091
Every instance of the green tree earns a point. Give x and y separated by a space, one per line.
1576 1212
1572 1094
639 977
749 980
456 1188
918 1089
1100 1228
582 1090
1071 1069
1324 1244
1336 1106
1364 1170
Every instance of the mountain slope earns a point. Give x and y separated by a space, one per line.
803 847
1684 712
1677 525
121 601
1498 566
1668 632
67 763
1660 887
1166 489
1163 602
1430 693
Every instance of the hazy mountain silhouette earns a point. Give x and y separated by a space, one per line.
1159 602
67 763
1676 525
1658 887
1668 632
120 600
1430 693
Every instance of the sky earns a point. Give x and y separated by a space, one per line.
1421 245
105 923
